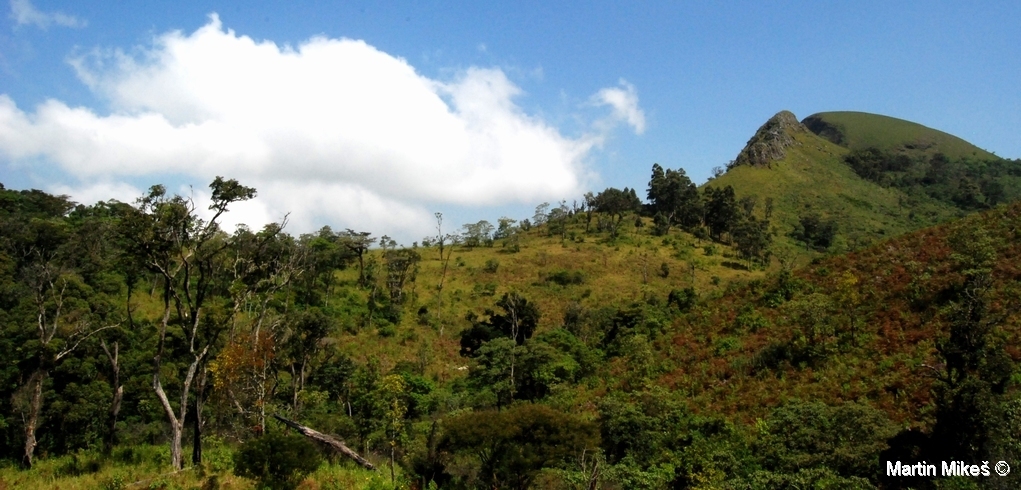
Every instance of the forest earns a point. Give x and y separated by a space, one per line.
611 343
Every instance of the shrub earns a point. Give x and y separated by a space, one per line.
519 442
750 320
491 266
683 299
276 460
565 278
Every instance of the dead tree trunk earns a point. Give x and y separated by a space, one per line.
118 396
35 407
329 441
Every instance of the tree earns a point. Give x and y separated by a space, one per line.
401 268
261 266
186 251
243 376
441 239
510 447
477 234
975 368
752 238
675 197
277 460
393 391
846 438
505 228
303 340
358 243
495 341
541 214
50 273
590 206
493 369
324 252
557 220
851 300
617 203
815 232
518 322
721 211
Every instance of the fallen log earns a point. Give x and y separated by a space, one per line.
329 441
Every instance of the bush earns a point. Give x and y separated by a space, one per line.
845 439
565 278
491 266
276 460
683 299
519 442
815 232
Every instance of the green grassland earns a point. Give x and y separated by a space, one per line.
861 130
145 467
812 178
609 273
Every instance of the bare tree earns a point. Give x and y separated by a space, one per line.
186 252
358 242
60 314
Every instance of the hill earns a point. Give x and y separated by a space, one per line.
924 327
804 175
878 315
861 130
623 345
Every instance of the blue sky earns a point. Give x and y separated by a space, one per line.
373 116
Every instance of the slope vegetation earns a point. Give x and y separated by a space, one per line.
861 130
876 315
809 177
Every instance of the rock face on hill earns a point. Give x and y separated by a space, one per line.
771 141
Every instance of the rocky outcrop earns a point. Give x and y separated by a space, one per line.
771 141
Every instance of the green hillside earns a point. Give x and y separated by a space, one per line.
879 315
791 332
924 327
807 175
861 130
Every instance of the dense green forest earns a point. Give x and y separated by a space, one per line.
675 342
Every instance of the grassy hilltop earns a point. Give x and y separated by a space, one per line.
873 176
861 130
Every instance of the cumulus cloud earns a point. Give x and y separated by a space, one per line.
332 130
99 191
24 13
624 101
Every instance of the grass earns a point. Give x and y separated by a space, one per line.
137 466
590 270
147 467
860 130
813 178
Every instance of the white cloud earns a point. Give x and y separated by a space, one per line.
24 13
99 191
624 101
333 131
